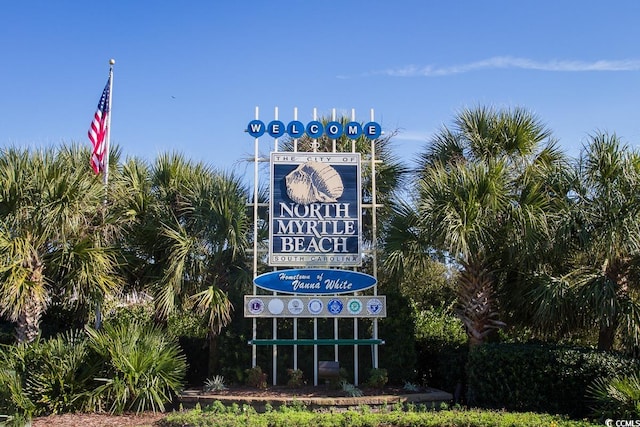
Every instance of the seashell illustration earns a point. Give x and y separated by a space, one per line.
314 182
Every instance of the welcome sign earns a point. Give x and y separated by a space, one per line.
315 210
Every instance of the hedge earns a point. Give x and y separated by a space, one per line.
540 378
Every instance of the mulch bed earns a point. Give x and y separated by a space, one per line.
98 420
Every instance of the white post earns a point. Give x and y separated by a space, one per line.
295 346
295 319
254 333
295 140
274 321
315 140
334 141
315 352
275 141
355 352
335 337
374 237
275 349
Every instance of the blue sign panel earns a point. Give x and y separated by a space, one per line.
316 282
315 213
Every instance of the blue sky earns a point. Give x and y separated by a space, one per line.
189 74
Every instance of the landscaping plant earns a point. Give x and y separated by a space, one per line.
618 397
144 368
378 378
256 378
296 378
214 384
46 377
299 416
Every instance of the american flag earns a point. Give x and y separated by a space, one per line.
98 131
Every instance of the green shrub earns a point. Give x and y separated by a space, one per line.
187 324
214 384
63 371
439 324
617 397
140 369
301 417
398 355
144 368
539 378
378 378
120 313
350 390
256 378
296 378
441 348
14 402
46 376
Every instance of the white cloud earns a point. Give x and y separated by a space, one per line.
506 62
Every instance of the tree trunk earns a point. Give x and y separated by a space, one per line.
28 324
606 336
213 355
476 302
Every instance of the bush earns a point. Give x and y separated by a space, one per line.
256 378
46 376
377 378
144 368
539 378
398 355
442 349
214 384
122 313
140 369
296 378
217 415
63 371
187 324
14 402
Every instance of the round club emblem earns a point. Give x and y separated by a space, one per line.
315 306
374 306
275 306
354 306
295 306
335 306
255 306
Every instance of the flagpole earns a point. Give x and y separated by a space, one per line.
105 171
105 176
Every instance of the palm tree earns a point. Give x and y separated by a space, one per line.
606 275
51 234
484 198
190 235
